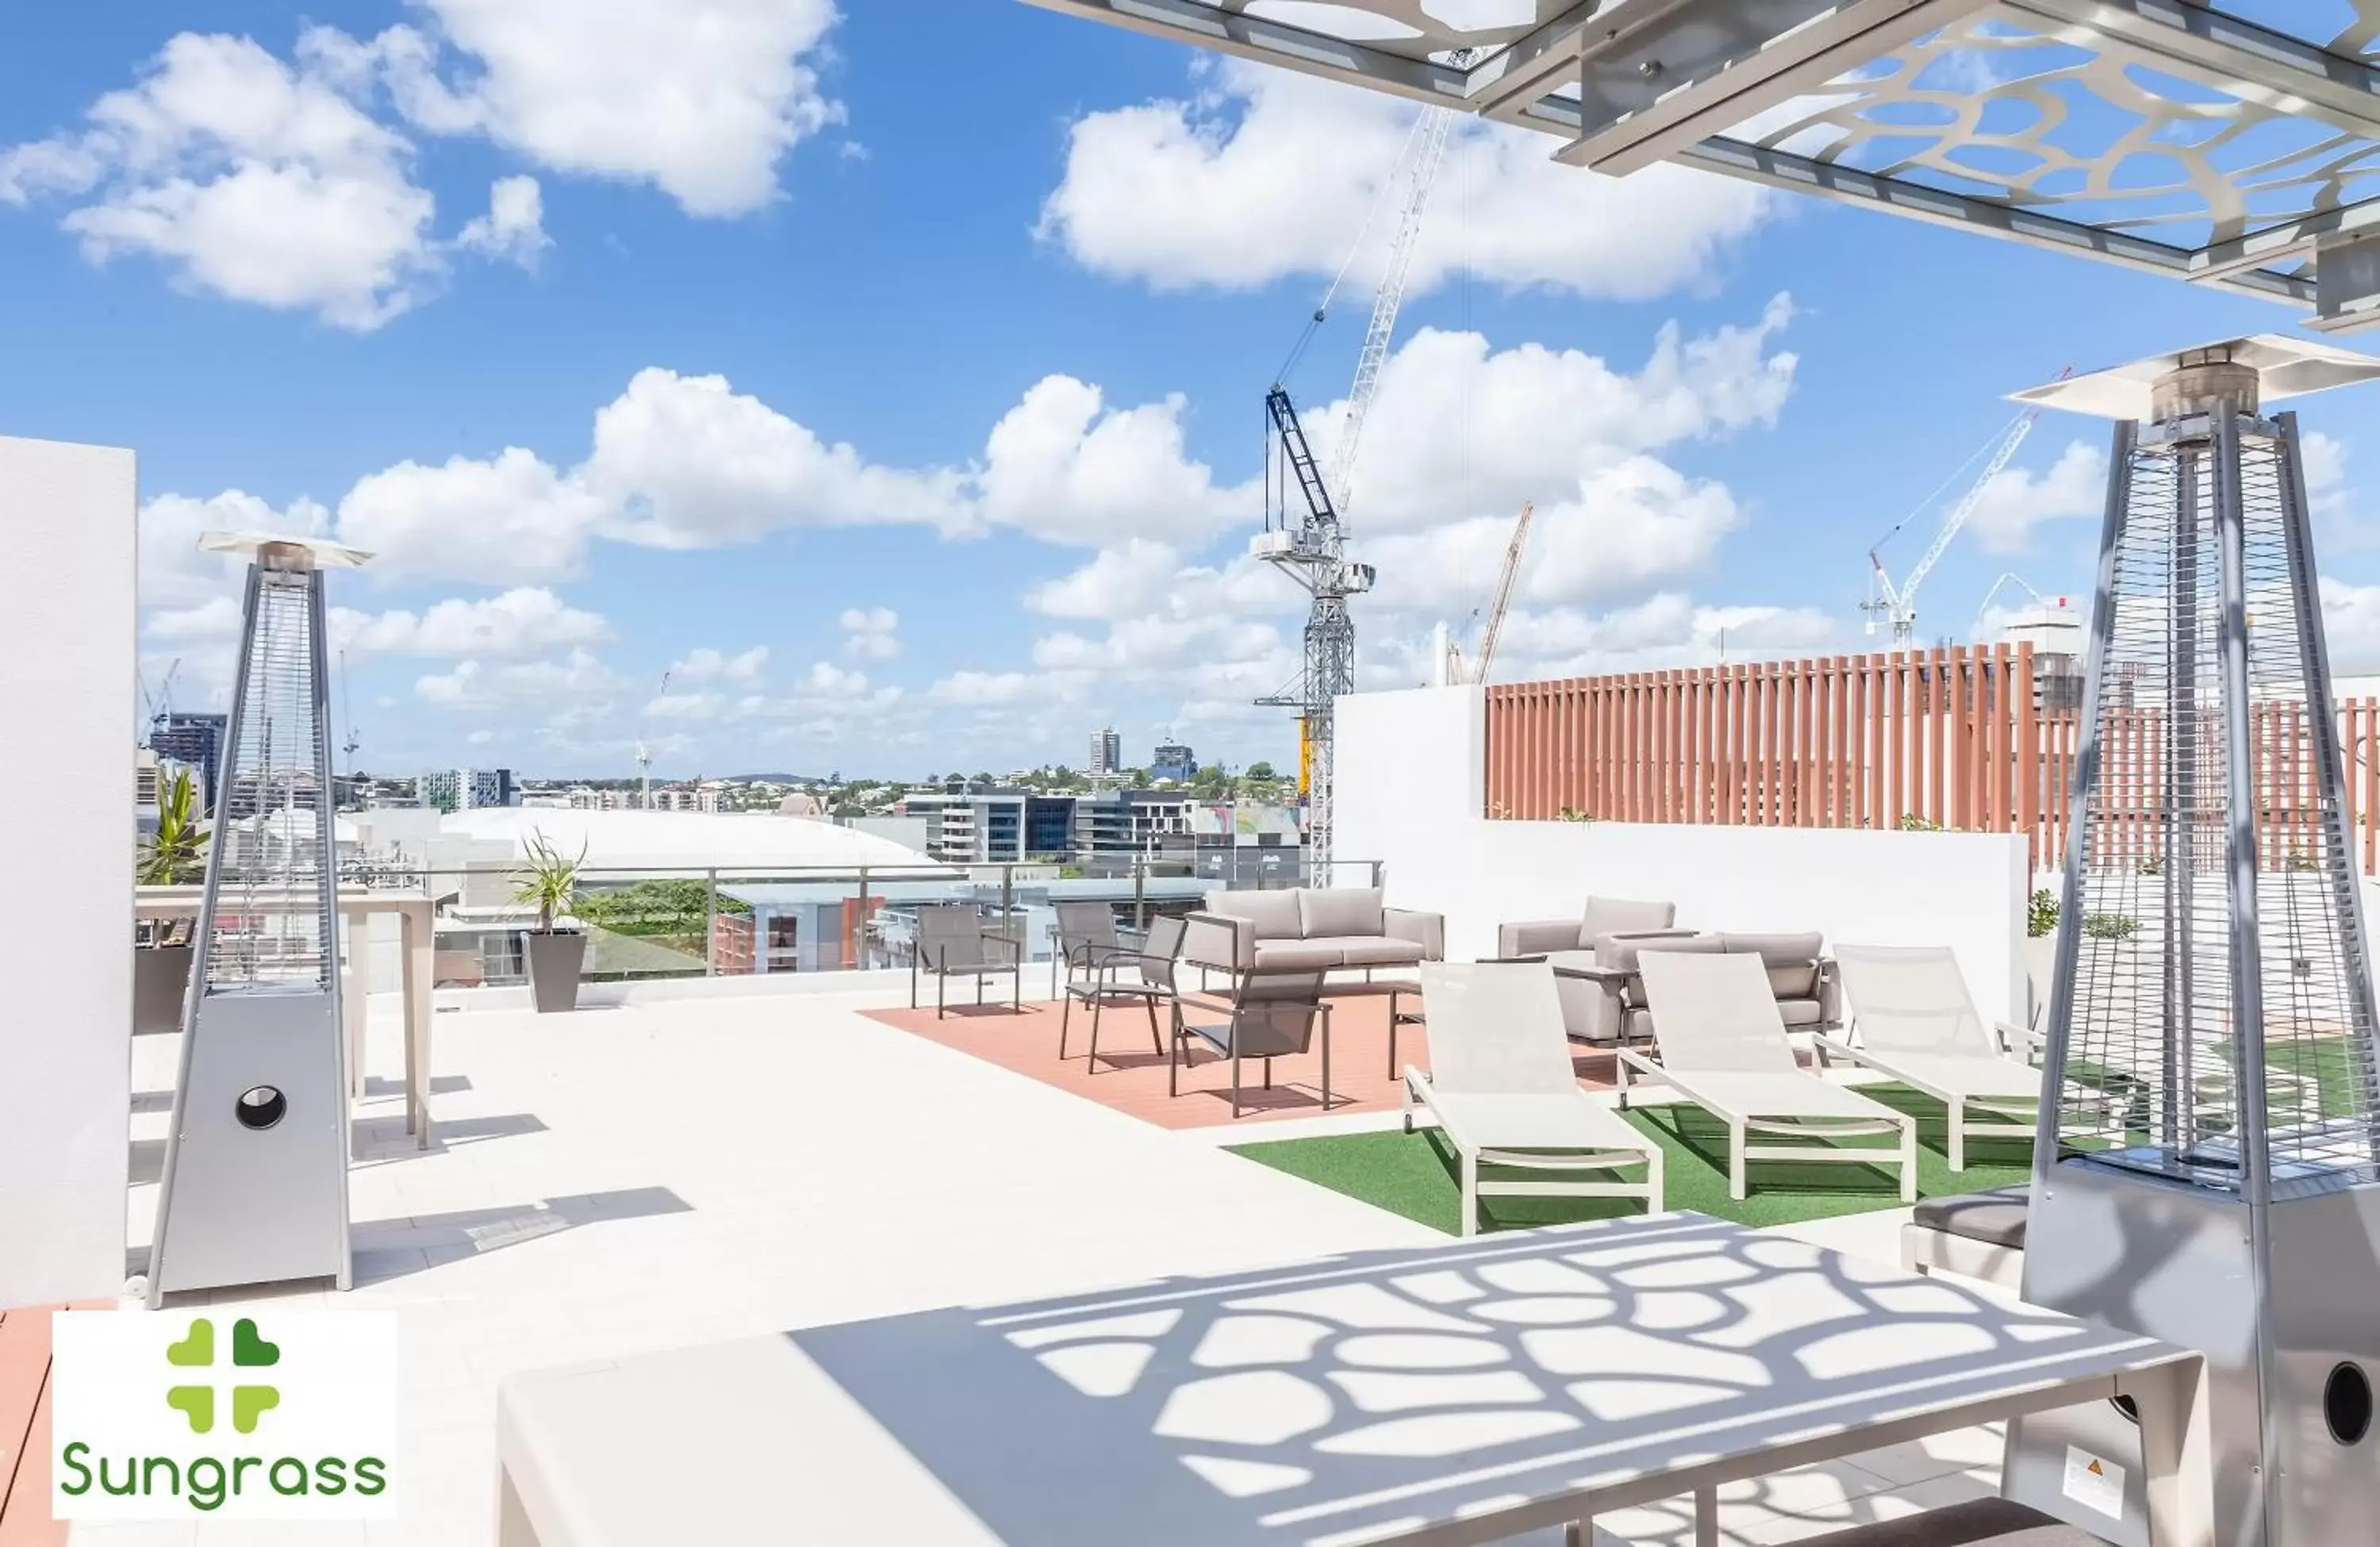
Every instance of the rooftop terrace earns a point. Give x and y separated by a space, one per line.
674 1171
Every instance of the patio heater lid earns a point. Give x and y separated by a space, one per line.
2285 367
318 555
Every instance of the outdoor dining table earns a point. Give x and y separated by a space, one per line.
1469 1393
416 923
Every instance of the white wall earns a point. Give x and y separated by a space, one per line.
1412 771
67 668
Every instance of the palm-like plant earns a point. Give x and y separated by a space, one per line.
547 879
174 855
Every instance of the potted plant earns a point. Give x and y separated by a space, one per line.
548 881
174 855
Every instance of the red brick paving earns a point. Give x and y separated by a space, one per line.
1131 1075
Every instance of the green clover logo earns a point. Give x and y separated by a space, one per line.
249 1351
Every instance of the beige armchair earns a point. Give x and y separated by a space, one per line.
1602 916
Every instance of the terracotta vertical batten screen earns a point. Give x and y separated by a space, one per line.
1972 739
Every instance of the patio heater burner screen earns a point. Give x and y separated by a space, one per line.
2204 1169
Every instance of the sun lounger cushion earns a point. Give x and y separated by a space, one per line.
1995 1218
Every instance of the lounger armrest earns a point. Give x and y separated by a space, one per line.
1424 930
2022 1040
1537 936
1002 943
1822 1044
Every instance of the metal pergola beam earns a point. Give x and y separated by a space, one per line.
1273 43
1844 185
1698 70
2253 63
1666 79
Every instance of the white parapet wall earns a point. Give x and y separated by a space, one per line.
1410 792
67 670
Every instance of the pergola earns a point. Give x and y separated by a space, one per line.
2236 147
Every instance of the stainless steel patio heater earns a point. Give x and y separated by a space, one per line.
255 1186
2205 1165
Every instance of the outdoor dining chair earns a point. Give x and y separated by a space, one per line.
1118 974
952 943
1261 1013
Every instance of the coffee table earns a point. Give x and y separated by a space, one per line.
1461 1394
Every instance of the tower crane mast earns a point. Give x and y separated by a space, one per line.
1314 552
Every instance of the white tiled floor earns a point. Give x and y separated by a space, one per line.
674 1173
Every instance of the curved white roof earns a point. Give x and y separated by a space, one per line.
695 841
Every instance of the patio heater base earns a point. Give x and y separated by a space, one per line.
260 1192
2173 1262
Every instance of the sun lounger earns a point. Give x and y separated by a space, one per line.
1504 1094
1723 1047
1913 1020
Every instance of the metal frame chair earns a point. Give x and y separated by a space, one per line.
1102 986
1267 1013
952 943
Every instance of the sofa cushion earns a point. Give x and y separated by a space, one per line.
1792 960
1373 950
1300 956
1620 951
1798 1012
1274 914
1327 911
1623 916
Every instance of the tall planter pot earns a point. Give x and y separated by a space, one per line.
161 981
554 961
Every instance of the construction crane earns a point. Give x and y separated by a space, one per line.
2012 577
1309 543
1314 553
1897 605
160 703
348 712
1493 628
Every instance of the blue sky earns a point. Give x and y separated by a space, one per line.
569 320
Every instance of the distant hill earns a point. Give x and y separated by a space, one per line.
773 778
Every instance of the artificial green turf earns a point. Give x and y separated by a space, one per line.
1414 1174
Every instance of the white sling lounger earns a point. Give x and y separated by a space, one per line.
1503 1091
1723 1047
1913 1021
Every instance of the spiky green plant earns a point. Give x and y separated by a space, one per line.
546 880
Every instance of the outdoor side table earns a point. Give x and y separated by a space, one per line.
1461 1394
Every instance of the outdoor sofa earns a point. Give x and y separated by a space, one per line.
1327 929
1613 1010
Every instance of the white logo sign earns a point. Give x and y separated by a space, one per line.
235 1415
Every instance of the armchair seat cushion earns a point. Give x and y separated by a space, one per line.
1801 1012
1366 950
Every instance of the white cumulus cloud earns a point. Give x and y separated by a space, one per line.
248 176
1265 173
514 227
